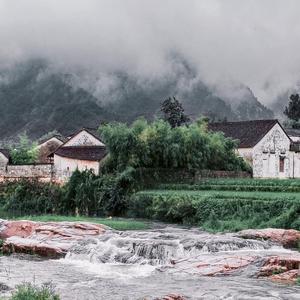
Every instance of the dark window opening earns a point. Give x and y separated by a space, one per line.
281 164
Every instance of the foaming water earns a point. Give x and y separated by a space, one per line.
150 264
157 247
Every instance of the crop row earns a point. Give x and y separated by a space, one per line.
231 187
217 211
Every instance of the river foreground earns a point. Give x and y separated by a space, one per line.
154 263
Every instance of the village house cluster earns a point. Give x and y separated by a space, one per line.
59 158
272 151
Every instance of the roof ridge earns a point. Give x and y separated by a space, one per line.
246 121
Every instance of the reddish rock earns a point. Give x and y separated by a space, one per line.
288 277
224 265
286 237
51 239
283 268
173 297
16 228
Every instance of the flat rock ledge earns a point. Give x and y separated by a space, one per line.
48 239
288 238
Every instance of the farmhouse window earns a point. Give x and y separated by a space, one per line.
281 164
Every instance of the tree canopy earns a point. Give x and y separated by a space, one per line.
158 145
292 111
24 151
174 112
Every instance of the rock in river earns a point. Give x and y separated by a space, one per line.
50 239
288 238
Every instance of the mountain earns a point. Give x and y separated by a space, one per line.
36 102
37 99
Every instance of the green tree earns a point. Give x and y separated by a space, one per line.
292 111
158 145
25 151
174 112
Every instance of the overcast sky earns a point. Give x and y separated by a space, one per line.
256 42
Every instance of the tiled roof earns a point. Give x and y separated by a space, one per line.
91 153
293 132
59 137
5 152
249 133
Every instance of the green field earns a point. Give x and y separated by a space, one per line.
115 223
244 184
225 205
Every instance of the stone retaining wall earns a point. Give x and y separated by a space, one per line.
43 172
153 176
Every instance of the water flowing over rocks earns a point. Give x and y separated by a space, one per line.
49 239
172 261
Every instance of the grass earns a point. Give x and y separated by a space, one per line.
28 291
115 223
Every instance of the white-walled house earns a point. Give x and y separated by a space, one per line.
265 145
48 146
83 151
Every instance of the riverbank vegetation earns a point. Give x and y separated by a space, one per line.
86 197
112 222
130 183
219 210
29 291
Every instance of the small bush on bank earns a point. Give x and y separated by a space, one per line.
28 291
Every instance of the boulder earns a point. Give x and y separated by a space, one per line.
288 238
283 268
49 239
225 265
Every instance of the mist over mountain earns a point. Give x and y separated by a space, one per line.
38 97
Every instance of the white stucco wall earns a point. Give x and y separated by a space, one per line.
267 153
64 167
83 138
295 138
246 154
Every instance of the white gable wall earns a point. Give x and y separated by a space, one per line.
267 153
83 138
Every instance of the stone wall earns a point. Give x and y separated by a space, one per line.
43 172
148 177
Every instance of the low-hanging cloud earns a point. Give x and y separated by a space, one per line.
254 42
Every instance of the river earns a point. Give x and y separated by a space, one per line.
150 264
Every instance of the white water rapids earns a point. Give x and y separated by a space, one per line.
150 264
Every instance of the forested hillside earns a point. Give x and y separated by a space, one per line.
37 100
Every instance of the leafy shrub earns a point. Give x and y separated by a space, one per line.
31 197
28 291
